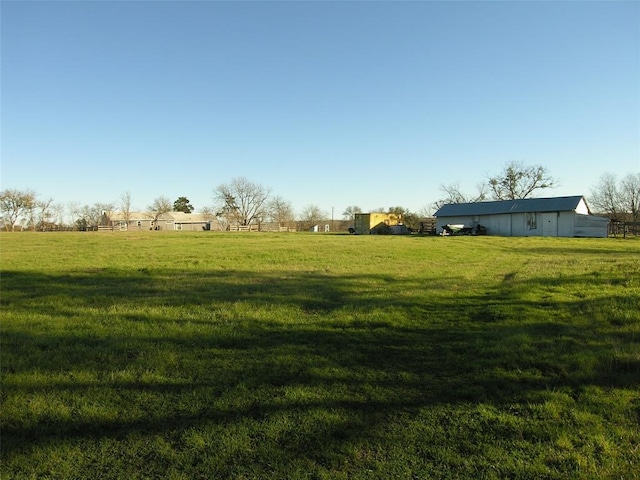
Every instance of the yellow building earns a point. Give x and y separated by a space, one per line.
375 223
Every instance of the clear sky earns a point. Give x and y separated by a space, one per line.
327 103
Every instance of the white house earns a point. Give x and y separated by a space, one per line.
547 217
166 221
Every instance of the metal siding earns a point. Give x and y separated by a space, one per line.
501 225
565 224
490 223
590 226
519 225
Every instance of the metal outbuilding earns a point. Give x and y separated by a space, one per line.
547 217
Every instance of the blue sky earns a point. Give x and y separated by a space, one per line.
327 103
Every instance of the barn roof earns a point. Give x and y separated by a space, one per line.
554 204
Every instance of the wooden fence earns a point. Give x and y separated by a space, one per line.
624 228
244 228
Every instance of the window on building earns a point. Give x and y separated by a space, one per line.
531 221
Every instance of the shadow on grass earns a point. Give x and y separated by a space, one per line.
213 351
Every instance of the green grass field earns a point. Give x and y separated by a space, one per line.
290 356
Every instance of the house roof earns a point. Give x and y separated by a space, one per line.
554 204
182 217
118 216
179 217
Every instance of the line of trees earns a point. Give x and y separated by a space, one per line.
618 199
243 202
20 207
23 210
239 202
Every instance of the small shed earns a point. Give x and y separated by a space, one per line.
546 217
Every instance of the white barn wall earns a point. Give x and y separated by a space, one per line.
582 208
517 225
565 224
522 227
500 224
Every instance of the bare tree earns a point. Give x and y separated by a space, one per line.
426 211
311 216
605 197
520 181
619 200
88 217
208 213
630 195
74 208
453 194
125 207
41 214
58 215
15 205
280 211
350 212
159 207
241 200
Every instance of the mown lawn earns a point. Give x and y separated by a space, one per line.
285 356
